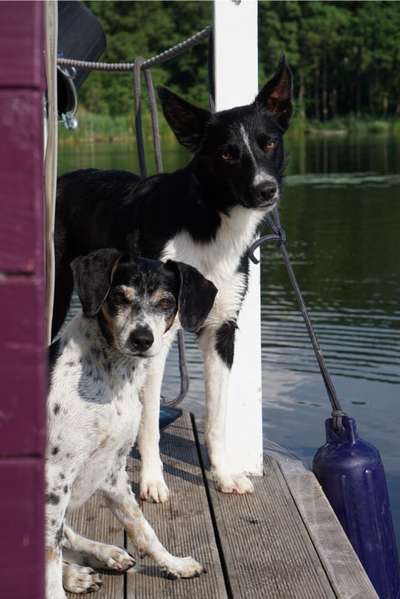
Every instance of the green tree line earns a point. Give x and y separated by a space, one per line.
345 56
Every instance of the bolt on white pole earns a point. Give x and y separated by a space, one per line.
236 83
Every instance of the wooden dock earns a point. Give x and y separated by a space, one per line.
282 542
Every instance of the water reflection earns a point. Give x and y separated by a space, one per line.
341 212
344 154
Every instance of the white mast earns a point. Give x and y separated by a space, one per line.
236 83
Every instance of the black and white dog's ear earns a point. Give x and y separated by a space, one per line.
276 95
133 242
188 122
196 296
93 277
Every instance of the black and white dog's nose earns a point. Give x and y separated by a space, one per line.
141 338
265 192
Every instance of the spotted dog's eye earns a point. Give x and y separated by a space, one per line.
226 156
120 296
117 296
268 145
166 303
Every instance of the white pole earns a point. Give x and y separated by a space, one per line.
50 169
236 83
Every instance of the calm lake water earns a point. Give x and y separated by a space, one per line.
341 212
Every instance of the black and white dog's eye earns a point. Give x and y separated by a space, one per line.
268 145
229 153
166 303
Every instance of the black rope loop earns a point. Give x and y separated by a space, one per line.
278 235
337 420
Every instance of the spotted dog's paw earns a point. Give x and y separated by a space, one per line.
153 487
233 483
182 567
114 558
80 579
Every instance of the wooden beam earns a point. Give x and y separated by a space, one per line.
22 318
22 367
22 529
21 158
21 54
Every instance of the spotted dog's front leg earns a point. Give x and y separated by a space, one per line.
152 484
217 344
57 498
124 506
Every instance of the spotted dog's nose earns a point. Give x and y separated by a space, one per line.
265 192
141 338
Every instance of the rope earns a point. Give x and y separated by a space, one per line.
210 68
154 120
137 94
157 60
137 88
136 68
279 235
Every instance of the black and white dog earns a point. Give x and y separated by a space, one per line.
206 214
97 369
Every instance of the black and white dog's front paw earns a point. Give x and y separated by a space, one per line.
152 486
182 567
227 482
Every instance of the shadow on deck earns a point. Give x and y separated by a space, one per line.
282 542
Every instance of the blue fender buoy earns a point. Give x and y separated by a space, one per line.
352 477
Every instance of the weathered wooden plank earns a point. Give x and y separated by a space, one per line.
22 366
346 574
21 526
95 521
267 549
183 524
21 25
21 190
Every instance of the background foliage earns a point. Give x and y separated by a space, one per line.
345 55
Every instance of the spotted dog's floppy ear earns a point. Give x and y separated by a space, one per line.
196 296
93 277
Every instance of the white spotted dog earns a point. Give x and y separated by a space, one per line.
206 214
97 369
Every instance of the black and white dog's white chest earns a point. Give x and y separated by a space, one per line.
219 259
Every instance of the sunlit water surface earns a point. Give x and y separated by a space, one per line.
341 212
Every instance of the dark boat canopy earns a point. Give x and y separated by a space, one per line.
80 36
